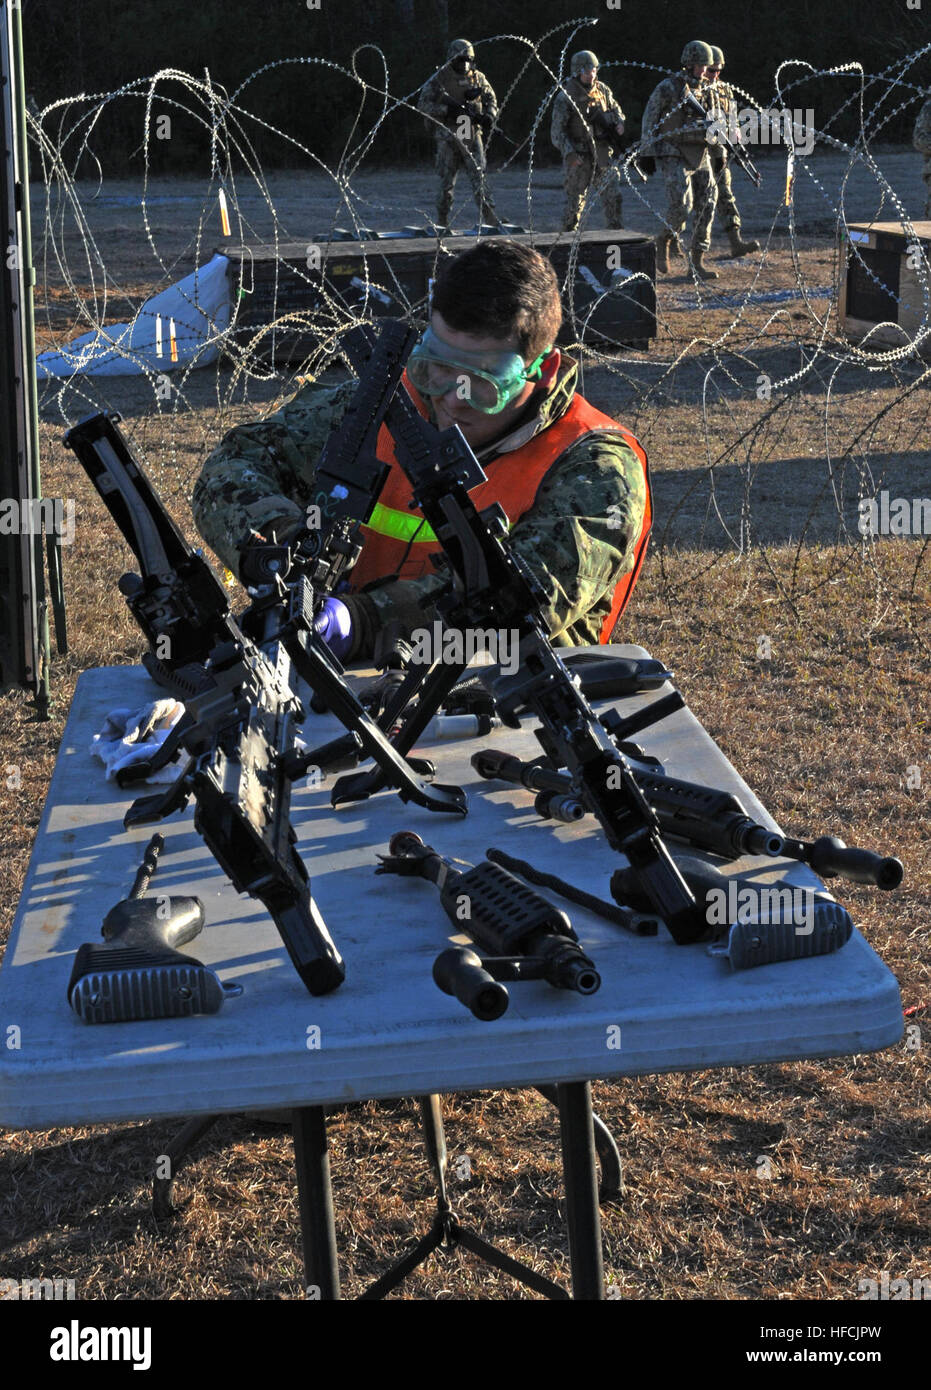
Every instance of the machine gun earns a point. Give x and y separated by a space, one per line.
714 820
704 816
491 587
717 128
529 938
242 705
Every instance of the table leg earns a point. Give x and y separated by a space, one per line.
315 1200
582 1215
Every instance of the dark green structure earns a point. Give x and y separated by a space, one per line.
24 633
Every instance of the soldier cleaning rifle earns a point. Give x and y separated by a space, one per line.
573 482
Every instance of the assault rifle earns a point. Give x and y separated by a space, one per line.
238 676
238 725
604 123
716 127
472 108
490 586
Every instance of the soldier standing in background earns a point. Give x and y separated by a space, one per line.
922 141
460 105
722 107
676 136
587 122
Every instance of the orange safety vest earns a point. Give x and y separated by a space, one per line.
399 542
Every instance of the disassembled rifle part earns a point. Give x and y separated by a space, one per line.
528 938
137 972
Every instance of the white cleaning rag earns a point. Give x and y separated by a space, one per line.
130 736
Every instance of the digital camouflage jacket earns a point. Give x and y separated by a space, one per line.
922 136
445 92
575 113
671 128
579 537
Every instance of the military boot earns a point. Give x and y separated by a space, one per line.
738 246
704 272
663 244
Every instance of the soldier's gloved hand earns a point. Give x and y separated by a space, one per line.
486 122
473 111
334 624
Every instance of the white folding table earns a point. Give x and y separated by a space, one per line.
388 1031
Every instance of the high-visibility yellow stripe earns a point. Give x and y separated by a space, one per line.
400 526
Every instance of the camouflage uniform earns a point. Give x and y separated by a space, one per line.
675 136
722 107
922 140
458 132
585 149
579 537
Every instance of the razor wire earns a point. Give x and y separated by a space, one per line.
755 365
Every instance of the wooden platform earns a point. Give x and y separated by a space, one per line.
294 294
885 283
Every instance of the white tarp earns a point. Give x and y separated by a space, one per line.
198 308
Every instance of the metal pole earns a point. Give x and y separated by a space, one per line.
583 1218
24 638
315 1200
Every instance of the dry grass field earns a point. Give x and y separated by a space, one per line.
828 732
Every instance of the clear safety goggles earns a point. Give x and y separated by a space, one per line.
486 381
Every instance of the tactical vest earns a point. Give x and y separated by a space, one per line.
399 542
681 125
588 100
455 85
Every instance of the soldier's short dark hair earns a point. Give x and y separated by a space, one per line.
498 289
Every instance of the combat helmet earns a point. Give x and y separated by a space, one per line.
460 48
581 60
717 56
696 54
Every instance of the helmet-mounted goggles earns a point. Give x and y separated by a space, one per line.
486 381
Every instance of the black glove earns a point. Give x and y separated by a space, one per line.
486 122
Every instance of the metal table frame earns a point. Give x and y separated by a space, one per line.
581 1134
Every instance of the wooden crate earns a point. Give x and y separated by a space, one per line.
895 296
294 295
